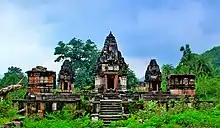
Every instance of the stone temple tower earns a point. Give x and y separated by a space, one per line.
111 69
66 77
153 76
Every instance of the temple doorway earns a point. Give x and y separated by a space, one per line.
110 81
65 85
154 87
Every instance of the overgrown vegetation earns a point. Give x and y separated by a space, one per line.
205 67
180 116
67 118
83 56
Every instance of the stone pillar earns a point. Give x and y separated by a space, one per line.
97 108
61 85
106 83
54 106
157 87
150 86
41 111
97 83
116 82
26 108
68 87
72 87
124 83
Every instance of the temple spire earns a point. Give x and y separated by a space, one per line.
110 34
111 68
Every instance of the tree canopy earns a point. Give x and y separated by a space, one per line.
13 76
83 57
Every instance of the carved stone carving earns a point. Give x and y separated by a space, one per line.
112 59
153 72
153 76
66 74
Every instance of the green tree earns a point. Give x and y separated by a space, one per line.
192 63
13 76
213 55
167 69
184 64
132 80
208 87
83 57
203 66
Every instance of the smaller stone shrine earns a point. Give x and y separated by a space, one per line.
66 79
40 80
153 76
181 84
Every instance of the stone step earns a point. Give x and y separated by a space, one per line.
110 110
110 116
111 119
111 98
110 103
107 123
111 93
110 113
116 100
107 102
110 106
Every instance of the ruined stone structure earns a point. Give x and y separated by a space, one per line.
40 80
181 84
41 98
153 76
66 79
111 99
111 67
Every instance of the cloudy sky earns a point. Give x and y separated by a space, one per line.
144 29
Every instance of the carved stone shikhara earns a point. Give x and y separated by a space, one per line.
66 77
111 69
153 76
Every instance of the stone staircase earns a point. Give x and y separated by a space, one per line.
110 110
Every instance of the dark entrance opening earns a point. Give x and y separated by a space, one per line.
154 87
110 82
65 85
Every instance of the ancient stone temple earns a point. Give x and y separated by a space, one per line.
65 78
153 77
111 67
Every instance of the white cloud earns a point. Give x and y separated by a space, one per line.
23 35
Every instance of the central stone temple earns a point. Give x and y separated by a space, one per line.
111 68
